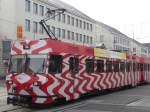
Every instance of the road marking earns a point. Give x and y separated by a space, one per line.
101 102
145 102
73 110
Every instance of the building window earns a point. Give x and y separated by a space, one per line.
35 8
47 9
68 19
55 64
80 37
80 23
27 5
87 26
58 32
72 35
101 38
84 25
77 36
77 23
63 33
35 27
6 47
27 25
41 10
53 30
72 21
89 65
68 34
91 27
87 39
41 29
48 27
91 40
53 15
84 38
63 18
59 17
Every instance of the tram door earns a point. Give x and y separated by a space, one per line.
138 73
142 73
133 74
74 74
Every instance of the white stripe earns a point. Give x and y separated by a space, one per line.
39 92
51 87
102 80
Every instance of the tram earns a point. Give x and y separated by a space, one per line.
47 70
42 71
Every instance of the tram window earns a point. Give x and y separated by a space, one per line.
138 68
134 68
122 67
116 67
109 66
145 67
55 64
141 67
128 67
148 67
74 64
89 65
100 66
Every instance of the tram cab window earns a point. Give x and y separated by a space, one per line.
74 64
128 67
55 64
116 66
122 66
100 66
89 65
108 66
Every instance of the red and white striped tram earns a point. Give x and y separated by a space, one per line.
42 71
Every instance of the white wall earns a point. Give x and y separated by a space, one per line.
107 36
8 22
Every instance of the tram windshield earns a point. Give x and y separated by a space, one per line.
28 63
17 63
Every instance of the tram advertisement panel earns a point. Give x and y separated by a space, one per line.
109 54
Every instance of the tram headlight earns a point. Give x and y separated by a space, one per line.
37 83
10 82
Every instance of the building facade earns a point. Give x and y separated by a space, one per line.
72 26
20 21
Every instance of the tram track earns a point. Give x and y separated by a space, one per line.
63 109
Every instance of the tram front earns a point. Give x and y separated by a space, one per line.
27 76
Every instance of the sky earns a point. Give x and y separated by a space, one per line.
131 17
